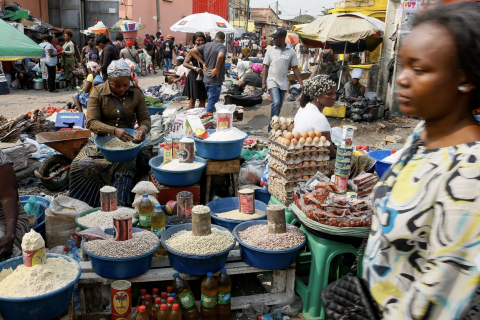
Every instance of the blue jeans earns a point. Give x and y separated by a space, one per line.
277 97
168 64
213 94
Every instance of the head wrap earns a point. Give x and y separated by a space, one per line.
161 36
357 73
257 68
318 85
90 36
118 68
130 43
92 65
146 41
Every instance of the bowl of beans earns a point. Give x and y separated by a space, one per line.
115 150
266 251
197 255
225 213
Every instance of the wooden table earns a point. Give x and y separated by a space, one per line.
219 167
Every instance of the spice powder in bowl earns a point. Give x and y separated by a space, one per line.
237 215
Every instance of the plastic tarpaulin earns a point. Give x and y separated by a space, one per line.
14 45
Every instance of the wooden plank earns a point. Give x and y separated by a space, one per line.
163 262
223 167
273 282
164 274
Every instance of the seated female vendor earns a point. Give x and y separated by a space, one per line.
249 91
106 105
319 92
13 219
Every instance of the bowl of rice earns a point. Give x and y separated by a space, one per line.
115 150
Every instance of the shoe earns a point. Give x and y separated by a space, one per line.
70 87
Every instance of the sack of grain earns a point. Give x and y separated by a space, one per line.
145 187
60 219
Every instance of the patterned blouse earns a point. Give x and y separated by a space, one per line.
419 261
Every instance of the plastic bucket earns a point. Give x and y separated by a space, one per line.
118 155
218 150
176 178
45 307
120 268
229 204
198 265
152 111
265 259
380 167
262 195
44 204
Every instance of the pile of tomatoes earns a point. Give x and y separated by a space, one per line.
51 110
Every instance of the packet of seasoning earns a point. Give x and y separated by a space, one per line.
176 148
168 150
201 134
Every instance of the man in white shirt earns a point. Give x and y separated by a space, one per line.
276 63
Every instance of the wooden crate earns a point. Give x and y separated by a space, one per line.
280 285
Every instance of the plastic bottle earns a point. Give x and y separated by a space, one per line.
176 314
145 209
175 299
185 295
208 308
157 221
133 315
163 314
142 315
148 304
169 304
155 309
224 287
169 291
141 297
164 297
155 294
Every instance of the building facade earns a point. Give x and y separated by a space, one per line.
266 21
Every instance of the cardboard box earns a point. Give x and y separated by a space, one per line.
70 120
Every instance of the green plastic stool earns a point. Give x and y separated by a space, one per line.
325 266
289 217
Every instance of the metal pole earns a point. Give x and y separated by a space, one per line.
343 63
159 24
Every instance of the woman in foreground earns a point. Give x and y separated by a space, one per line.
419 261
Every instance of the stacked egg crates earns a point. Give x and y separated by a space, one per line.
294 158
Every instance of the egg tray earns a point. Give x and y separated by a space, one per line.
286 170
297 158
278 190
296 148
276 123
289 184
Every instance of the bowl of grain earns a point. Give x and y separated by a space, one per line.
197 255
176 174
115 150
225 212
263 250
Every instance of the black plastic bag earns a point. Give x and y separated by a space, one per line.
367 117
356 117
358 111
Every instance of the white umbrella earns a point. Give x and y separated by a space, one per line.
203 22
348 27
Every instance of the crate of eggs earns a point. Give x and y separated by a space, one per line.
279 188
300 171
281 124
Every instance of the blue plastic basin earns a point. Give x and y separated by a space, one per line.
262 195
229 204
118 155
44 204
380 167
198 265
45 307
176 178
156 110
265 259
120 268
218 150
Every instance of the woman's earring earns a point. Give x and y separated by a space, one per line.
462 88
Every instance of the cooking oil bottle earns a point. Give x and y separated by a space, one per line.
163 314
141 297
224 286
133 315
155 309
142 315
157 221
209 298
169 304
155 294
148 304
185 295
175 299
145 209
176 313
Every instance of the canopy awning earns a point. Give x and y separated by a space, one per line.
14 45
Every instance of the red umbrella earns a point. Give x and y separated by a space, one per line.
292 38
